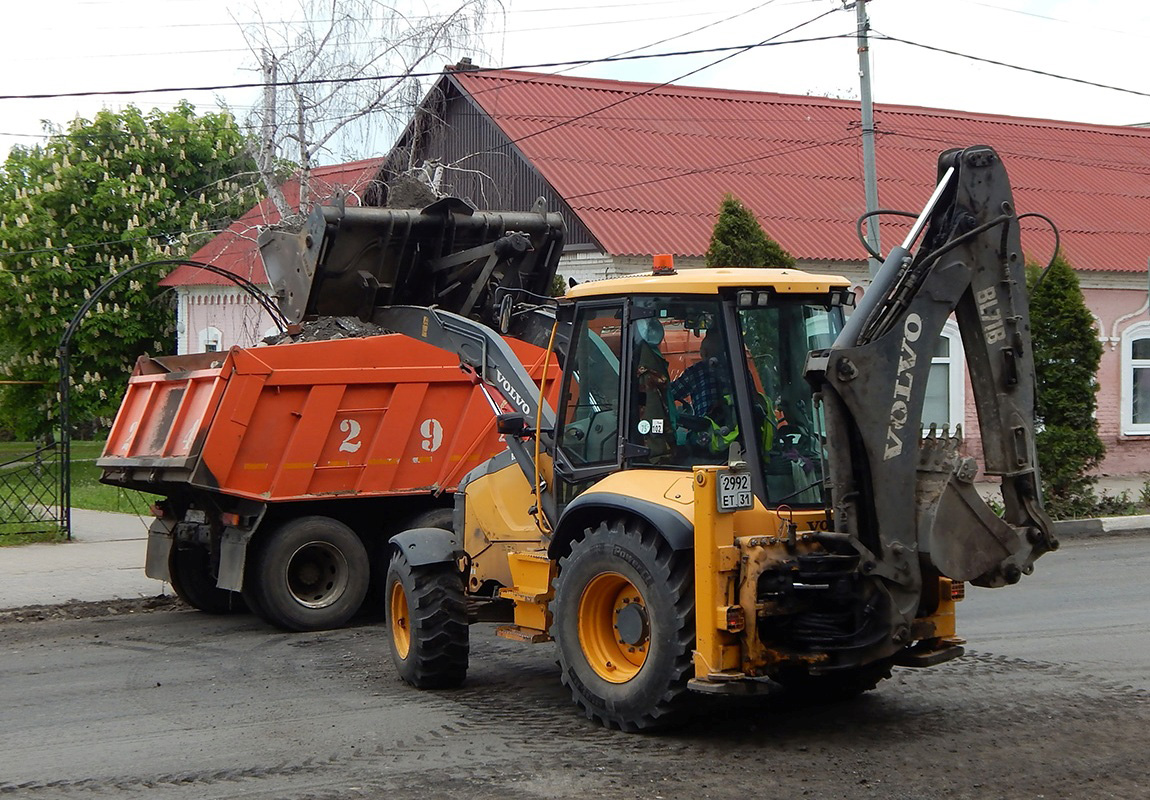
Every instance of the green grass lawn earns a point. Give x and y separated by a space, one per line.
21 505
88 492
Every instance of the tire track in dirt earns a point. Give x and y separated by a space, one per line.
981 727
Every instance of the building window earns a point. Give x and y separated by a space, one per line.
210 340
945 388
1136 379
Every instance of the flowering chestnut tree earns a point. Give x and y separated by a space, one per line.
104 194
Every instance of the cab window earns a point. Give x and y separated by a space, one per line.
682 409
589 433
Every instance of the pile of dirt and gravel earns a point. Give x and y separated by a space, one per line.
79 609
326 328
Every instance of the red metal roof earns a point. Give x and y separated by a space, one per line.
645 167
236 250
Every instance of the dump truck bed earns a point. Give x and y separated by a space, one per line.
382 415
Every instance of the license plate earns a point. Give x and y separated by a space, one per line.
735 491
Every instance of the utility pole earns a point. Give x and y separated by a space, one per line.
870 182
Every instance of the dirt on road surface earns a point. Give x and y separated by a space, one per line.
163 702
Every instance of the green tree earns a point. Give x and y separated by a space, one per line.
1067 353
738 240
107 193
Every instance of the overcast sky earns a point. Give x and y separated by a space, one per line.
59 46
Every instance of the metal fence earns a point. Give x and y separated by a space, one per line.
32 492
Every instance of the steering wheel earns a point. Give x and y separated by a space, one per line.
793 442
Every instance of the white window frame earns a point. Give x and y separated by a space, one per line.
208 336
1140 330
956 376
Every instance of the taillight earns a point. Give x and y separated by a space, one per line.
957 591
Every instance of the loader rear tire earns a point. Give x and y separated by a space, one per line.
427 623
310 574
625 626
190 570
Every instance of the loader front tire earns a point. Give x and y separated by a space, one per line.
624 614
190 570
427 623
381 549
310 574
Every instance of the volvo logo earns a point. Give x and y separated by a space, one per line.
511 393
904 380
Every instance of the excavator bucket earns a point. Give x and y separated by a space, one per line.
348 260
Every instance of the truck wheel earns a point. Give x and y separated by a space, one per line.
310 574
427 623
190 570
625 626
833 686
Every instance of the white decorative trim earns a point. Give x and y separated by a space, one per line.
181 320
210 336
1140 330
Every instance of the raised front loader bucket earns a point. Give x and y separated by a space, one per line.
347 261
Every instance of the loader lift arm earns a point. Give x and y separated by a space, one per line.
487 356
872 385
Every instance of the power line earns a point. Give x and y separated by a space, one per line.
318 81
326 20
1006 148
715 167
692 31
738 51
992 61
214 51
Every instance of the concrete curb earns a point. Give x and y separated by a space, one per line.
1076 529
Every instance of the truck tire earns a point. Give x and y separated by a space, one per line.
625 626
190 570
427 623
310 574
432 518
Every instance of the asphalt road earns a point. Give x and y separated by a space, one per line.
1052 702
1087 604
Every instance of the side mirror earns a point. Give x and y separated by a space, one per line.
511 424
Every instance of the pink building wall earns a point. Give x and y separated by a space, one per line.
238 319
1116 311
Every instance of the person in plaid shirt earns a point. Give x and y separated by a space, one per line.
705 382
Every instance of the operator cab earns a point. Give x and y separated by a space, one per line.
674 376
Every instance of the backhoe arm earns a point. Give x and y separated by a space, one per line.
872 384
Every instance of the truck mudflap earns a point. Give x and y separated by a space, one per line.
160 541
872 384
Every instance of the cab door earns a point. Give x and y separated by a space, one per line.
587 429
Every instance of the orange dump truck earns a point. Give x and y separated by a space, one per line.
285 467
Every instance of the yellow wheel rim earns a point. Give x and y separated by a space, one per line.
398 622
614 631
